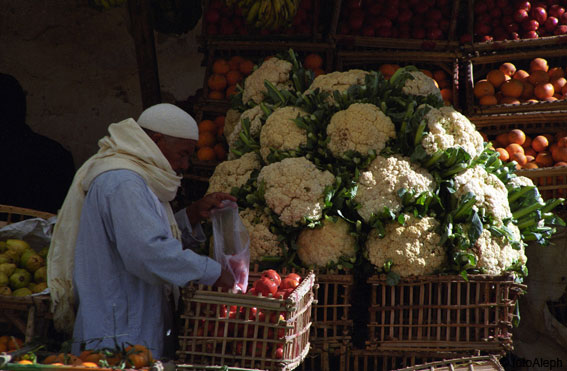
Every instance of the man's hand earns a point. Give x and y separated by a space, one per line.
201 209
225 280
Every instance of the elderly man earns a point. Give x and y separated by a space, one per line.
116 251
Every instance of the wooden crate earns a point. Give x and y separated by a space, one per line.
373 59
443 314
212 336
352 41
372 360
475 363
30 315
477 67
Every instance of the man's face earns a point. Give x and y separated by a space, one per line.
177 151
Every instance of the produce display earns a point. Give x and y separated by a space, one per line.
22 270
509 84
353 168
211 145
226 74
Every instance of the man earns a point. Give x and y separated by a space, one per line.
118 224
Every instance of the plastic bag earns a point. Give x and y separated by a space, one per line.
231 243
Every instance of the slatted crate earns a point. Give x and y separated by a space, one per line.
443 314
475 363
477 67
372 360
381 20
446 62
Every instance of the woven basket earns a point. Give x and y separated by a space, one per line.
13 214
443 314
212 336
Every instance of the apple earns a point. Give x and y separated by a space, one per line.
560 30
530 35
550 24
556 11
530 25
444 25
539 14
514 36
375 9
524 5
521 15
486 38
563 18
354 4
482 29
442 3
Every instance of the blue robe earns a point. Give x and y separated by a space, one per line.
125 258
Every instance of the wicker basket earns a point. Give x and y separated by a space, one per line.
372 60
366 42
478 363
13 214
478 66
213 336
443 314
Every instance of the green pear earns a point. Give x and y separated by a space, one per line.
7 268
31 262
5 291
17 245
39 275
39 287
43 252
24 291
4 279
20 278
14 254
5 258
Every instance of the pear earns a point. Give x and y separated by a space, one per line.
7 268
20 278
5 291
5 258
4 279
3 246
24 291
43 252
19 246
39 275
14 254
31 261
39 287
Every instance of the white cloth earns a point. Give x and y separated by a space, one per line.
127 147
170 120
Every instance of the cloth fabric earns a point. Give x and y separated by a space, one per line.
124 241
170 120
127 147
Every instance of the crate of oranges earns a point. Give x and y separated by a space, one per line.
211 146
536 141
507 83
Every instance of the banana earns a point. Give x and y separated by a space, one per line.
253 13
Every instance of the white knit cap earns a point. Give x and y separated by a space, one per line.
170 120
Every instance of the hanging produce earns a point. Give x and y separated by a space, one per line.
267 14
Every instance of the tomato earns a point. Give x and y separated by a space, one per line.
279 352
294 276
252 313
273 275
289 283
265 286
252 291
283 293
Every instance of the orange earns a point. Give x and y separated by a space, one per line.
520 158
206 154
219 121
514 148
531 165
50 359
482 88
521 75
217 82
530 158
544 91
512 88
14 343
516 136
527 143
447 95
443 84
538 64
246 67
532 101
502 139
84 354
94 357
559 154
508 68
220 152
214 94
496 78
318 71
504 155
313 61
540 143
555 73
24 362
528 91
427 73
220 131
441 75
234 62
558 83
488 100
233 77
550 99
544 159
3 347
89 365
509 100
529 151
388 69
207 125
230 91
538 77
562 141
561 163
220 66
206 139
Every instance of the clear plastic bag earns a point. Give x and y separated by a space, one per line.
231 243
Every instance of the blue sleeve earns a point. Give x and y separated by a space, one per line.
144 242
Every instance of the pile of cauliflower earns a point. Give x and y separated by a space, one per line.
350 168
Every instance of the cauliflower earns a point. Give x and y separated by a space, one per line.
231 119
449 128
295 189
496 254
262 241
421 85
281 133
413 248
491 194
340 81
378 185
234 173
274 70
255 116
361 127
321 246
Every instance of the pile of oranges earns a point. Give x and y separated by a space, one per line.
543 150
441 78
10 343
314 62
509 85
133 356
211 145
226 75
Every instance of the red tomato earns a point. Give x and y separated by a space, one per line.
279 352
294 276
273 275
265 286
252 291
289 283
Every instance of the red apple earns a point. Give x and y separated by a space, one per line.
482 29
563 18
444 25
524 5
521 15
539 14
556 11
354 4
442 3
212 16
560 30
551 23
530 25
514 36
500 34
382 22
486 38
530 35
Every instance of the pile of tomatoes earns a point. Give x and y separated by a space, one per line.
270 283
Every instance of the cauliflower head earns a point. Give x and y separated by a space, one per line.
491 194
495 254
413 248
233 173
421 85
337 80
255 116
232 118
274 70
281 133
378 186
324 245
361 127
294 189
262 241
449 128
